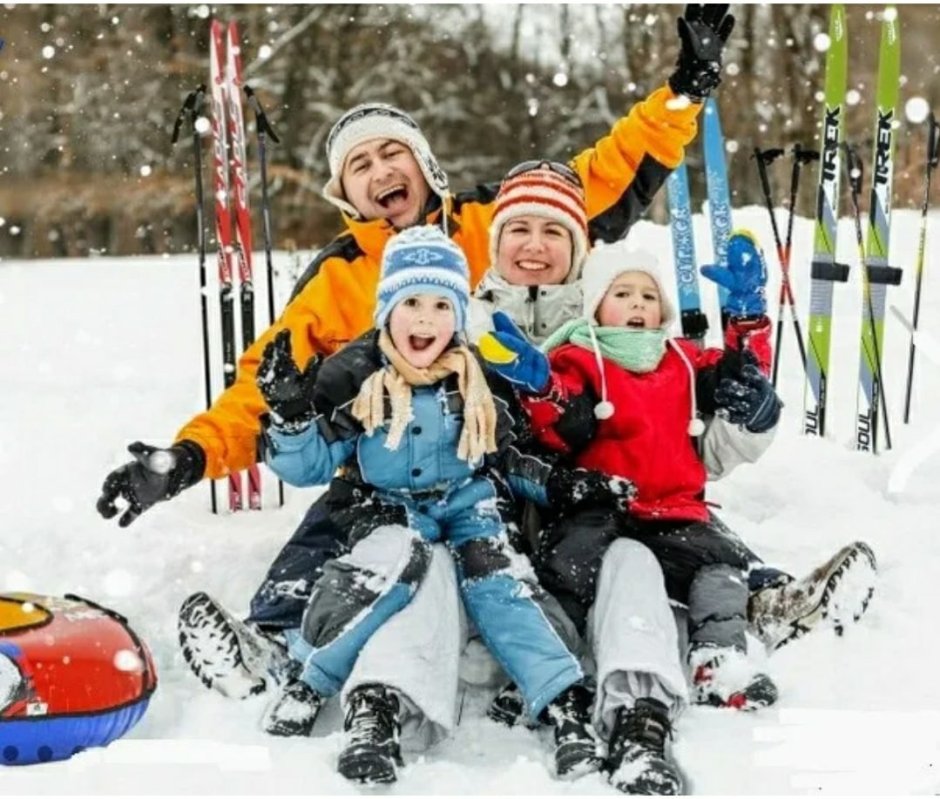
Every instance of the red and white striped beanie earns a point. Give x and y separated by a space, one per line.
543 192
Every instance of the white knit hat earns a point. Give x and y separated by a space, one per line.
603 266
540 191
606 263
377 121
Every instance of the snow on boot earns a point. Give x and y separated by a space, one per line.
575 738
637 762
294 711
838 592
508 706
372 752
725 677
228 655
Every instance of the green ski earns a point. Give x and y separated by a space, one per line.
877 274
824 269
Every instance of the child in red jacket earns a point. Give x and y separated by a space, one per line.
625 399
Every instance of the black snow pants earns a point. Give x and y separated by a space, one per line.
705 566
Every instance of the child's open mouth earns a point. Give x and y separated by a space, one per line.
420 343
636 322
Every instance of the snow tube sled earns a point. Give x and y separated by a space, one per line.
72 675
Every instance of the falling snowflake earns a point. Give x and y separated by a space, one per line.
916 110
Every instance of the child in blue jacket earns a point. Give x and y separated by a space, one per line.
409 412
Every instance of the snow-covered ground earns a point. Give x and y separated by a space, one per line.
98 353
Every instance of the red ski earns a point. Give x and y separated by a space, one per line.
223 227
239 197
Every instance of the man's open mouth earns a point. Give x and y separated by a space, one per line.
393 194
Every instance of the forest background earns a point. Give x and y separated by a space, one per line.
89 95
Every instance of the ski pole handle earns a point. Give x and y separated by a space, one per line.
191 105
261 119
855 168
933 143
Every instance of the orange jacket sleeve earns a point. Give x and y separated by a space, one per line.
624 170
335 306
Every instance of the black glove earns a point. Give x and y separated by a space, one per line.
703 31
153 476
748 399
571 488
287 391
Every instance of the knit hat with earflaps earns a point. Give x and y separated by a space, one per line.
377 121
543 192
422 260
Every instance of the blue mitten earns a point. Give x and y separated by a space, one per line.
508 353
745 276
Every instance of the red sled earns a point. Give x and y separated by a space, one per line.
73 675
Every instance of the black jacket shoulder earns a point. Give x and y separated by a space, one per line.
343 373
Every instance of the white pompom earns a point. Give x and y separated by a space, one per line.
604 410
696 427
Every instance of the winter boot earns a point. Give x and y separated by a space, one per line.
575 738
637 762
293 712
228 655
508 706
838 591
372 752
724 677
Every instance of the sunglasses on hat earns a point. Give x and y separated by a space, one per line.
563 170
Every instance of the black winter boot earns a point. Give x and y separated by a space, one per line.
637 762
575 738
507 706
294 710
373 728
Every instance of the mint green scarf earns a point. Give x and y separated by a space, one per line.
636 350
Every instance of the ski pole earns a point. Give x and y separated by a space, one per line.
855 183
800 157
933 157
263 129
192 108
763 158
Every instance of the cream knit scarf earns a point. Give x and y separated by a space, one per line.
478 436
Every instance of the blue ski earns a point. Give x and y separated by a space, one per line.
719 197
694 322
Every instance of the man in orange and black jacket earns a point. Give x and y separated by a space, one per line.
385 178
